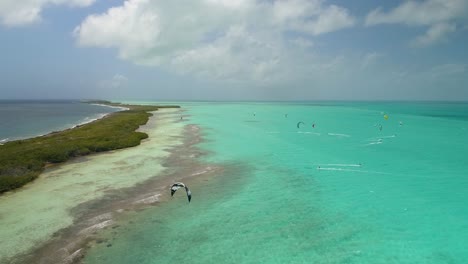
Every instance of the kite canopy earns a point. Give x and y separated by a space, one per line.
176 186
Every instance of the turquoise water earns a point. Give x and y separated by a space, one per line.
29 118
342 192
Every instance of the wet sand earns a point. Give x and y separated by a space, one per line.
55 218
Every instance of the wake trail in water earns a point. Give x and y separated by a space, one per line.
380 138
340 165
351 170
313 133
374 143
377 140
338 135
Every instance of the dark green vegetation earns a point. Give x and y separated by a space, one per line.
22 161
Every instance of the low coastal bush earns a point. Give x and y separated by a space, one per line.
22 161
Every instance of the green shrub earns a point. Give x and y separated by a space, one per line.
22 161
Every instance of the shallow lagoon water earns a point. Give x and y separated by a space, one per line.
342 192
31 215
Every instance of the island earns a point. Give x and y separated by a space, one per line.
22 161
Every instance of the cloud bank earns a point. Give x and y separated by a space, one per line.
235 40
23 12
440 16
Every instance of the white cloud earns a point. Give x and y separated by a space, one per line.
237 53
220 39
302 42
234 4
440 16
436 33
130 28
117 81
22 12
330 19
293 10
417 13
370 58
449 70
310 16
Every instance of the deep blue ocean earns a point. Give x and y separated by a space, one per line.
25 118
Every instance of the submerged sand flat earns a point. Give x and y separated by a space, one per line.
31 215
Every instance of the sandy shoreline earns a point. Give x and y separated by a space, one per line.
122 108
89 121
46 206
69 244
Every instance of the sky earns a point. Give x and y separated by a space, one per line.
234 49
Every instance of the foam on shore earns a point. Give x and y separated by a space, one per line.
122 108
